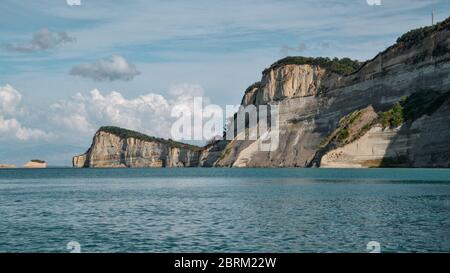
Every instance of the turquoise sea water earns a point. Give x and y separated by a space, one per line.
224 210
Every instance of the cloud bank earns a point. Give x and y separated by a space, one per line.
117 68
65 127
13 128
150 113
74 120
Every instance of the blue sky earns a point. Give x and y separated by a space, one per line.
142 47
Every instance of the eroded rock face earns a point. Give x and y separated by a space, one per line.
111 151
422 143
368 151
311 104
79 161
288 81
312 101
212 153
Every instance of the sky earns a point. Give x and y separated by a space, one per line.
68 67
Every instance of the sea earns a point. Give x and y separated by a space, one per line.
224 210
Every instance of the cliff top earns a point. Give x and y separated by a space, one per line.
346 66
253 86
339 66
414 36
125 133
37 161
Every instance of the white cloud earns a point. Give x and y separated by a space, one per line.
10 108
115 68
75 120
13 128
42 40
9 99
149 113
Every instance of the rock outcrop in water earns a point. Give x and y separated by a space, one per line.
114 147
7 166
35 164
333 113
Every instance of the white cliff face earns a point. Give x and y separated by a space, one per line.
422 143
368 151
111 151
79 161
311 103
288 81
211 153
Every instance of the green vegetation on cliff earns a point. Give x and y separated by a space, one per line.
125 133
37 161
253 86
351 127
356 124
339 66
393 117
415 36
424 102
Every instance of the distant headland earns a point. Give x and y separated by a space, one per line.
32 164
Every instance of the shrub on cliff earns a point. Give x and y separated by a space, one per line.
339 66
253 86
394 117
37 161
423 102
125 133
414 36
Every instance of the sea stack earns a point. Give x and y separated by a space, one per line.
35 164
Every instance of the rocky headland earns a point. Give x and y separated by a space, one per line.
120 148
7 166
391 111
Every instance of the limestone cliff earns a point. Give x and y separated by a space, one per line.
312 103
288 81
114 147
330 114
415 133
